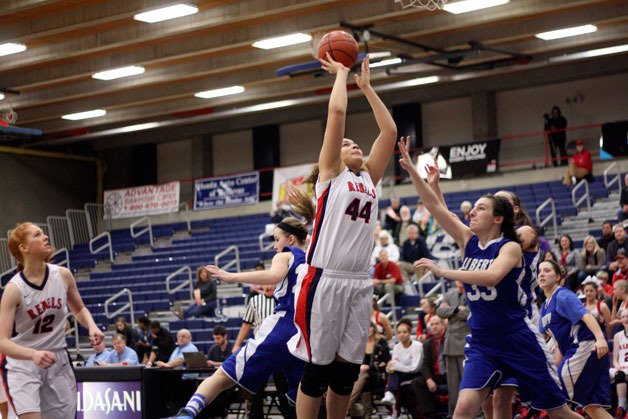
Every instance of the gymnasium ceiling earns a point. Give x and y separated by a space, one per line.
69 40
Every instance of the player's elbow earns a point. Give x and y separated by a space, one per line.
337 111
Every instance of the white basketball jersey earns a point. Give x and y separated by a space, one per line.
346 214
623 349
40 317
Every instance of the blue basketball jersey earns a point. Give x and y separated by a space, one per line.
494 310
283 291
529 283
561 316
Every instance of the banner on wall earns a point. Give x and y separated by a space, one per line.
226 191
101 400
285 178
460 160
142 200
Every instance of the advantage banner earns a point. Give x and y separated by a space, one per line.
285 178
460 160
142 200
226 191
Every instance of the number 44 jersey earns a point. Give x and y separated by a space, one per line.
346 214
40 317
496 310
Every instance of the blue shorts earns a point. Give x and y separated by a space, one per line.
585 376
267 353
521 355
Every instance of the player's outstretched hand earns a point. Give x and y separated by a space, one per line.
404 154
223 275
44 359
601 347
96 336
430 265
433 173
329 65
363 80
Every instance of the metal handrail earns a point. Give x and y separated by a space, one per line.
128 305
263 247
550 217
615 178
236 261
182 285
393 310
187 214
586 195
107 245
66 260
148 228
75 331
427 276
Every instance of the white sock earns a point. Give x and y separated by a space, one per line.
621 402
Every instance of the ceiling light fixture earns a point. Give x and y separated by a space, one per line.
566 32
84 115
166 13
11 48
117 73
282 41
381 54
386 62
472 5
225 91
590 54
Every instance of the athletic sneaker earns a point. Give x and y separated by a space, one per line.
620 413
184 414
388 398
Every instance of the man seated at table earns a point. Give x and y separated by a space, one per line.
184 344
121 354
101 354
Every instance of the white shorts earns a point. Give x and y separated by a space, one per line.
3 396
332 315
50 391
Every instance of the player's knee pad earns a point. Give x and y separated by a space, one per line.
620 377
315 379
343 377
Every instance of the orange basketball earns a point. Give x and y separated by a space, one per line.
341 46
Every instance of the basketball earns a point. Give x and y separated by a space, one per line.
341 46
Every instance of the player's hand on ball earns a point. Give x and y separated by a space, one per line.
329 65
44 359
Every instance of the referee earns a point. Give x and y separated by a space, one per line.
259 307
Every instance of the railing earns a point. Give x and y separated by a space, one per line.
147 229
392 315
551 217
107 245
7 264
128 305
263 247
185 214
235 261
77 225
75 331
95 214
59 232
616 178
66 257
182 285
585 196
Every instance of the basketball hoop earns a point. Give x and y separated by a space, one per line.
429 5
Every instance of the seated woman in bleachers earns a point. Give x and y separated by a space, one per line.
380 321
405 364
428 309
372 374
618 302
569 259
592 258
598 309
130 334
205 296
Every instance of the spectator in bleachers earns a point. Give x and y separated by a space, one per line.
592 258
221 349
392 217
622 212
184 344
401 232
407 356
621 259
605 289
618 303
372 374
413 249
278 213
163 343
465 209
128 331
550 255
597 308
607 235
454 308
620 366
101 354
570 261
385 243
387 277
205 296
380 321
428 310
144 339
620 242
556 124
121 355
421 217
257 309
580 166
433 372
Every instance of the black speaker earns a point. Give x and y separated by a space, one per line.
615 138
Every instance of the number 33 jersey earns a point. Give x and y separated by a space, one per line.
40 317
344 227
495 310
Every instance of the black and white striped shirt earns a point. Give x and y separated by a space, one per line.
258 308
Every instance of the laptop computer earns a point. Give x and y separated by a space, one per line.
195 360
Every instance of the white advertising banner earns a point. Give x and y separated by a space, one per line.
142 200
285 178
